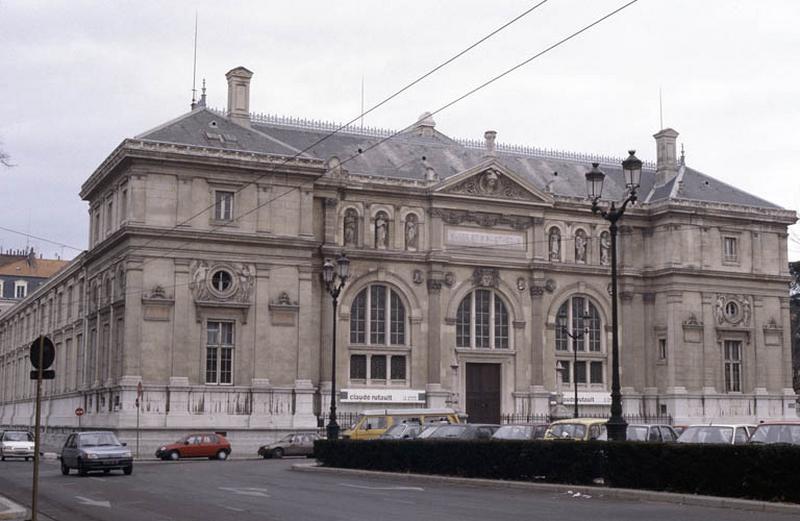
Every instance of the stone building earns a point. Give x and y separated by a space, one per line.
21 272
470 261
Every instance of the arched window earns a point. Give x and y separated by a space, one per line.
378 317
482 321
579 317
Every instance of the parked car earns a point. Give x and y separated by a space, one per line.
294 444
777 431
371 423
657 433
200 445
402 431
735 434
16 444
464 431
428 430
525 431
576 429
95 450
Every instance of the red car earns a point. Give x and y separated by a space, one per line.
201 445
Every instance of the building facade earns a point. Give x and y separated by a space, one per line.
21 272
470 263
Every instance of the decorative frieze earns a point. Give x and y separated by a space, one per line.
485 219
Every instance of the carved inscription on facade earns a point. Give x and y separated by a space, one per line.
479 238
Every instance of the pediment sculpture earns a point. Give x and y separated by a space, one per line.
221 282
492 183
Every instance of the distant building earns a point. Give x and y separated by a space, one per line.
22 273
470 262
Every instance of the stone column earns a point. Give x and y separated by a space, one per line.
436 317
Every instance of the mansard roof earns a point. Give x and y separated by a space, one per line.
406 155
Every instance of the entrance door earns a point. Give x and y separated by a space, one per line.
483 393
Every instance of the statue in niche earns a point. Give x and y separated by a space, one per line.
580 246
381 231
411 232
745 311
350 227
198 284
605 248
555 244
246 282
283 299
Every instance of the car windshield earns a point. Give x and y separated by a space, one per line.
788 433
17 436
636 433
395 431
428 431
287 438
449 431
513 432
98 439
569 430
706 434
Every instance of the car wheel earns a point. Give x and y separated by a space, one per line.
106 471
2 458
64 469
174 455
277 453
128 470
27 458
222 455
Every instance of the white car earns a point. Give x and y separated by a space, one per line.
735 434
16 444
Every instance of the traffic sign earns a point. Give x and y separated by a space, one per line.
48 353
47 374
79 411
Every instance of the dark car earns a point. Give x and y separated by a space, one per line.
98 450
295 444
464 431
200 445
523 431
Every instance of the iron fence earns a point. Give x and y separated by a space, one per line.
547 418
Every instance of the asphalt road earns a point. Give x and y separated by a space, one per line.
242 490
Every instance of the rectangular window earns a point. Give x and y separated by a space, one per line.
580 372
109 216
482 314
562 340
123 205
398 320
358 367
398 369
662 348
223 205
578 305
377 367
69 302
219 352
80 298
500 324
377 318
596 372
463 322
358 325
96 230
733 366
20 289
566 372
730 250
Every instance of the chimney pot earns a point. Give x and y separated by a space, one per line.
666 156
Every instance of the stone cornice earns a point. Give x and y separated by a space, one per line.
145 149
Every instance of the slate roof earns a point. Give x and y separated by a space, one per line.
402 157
44 268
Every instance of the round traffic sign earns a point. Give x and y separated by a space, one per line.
79 411
48 353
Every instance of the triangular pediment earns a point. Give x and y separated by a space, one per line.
492 180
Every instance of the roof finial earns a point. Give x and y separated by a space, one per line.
683 156
202 102
194 65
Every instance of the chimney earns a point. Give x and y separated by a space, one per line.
239 95
666 161
425 125
489 136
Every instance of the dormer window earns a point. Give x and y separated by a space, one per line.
20 289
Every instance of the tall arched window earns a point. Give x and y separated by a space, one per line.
378 317
482 321
579 317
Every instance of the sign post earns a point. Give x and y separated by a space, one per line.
79 412
139 394
42 355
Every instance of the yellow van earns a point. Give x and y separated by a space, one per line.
576 429
371 423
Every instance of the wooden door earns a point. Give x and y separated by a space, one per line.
483 393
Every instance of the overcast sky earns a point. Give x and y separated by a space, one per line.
77 77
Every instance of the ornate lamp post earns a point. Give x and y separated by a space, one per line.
575 337
632 168
334 277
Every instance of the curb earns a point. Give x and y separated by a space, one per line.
12 511
606 492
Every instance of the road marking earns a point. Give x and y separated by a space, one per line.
417 489
96 479
247 491
92 502
236 509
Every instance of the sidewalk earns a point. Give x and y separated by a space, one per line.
12 511
616 493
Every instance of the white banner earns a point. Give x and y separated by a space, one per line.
381 396
588 398
493 239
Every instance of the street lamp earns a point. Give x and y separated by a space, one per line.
632 169
334 276
575 337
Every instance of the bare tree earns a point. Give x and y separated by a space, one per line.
5 158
